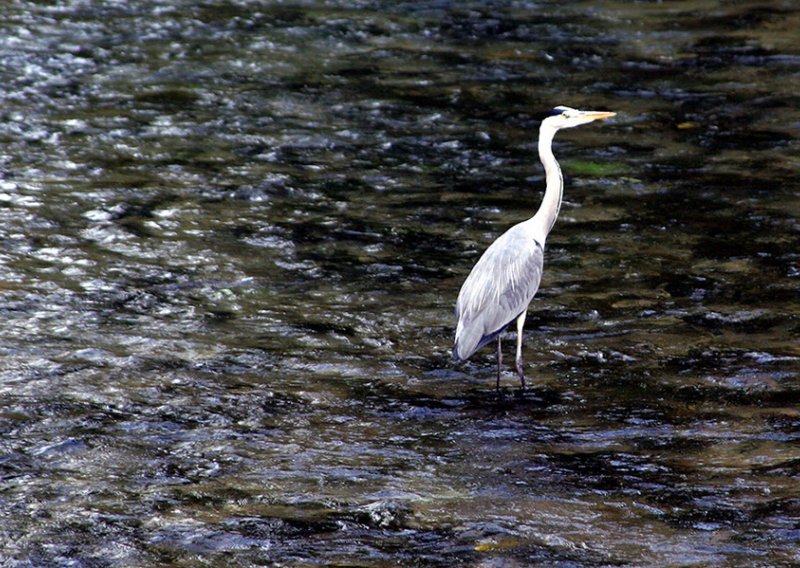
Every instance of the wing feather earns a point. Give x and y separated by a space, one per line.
499 288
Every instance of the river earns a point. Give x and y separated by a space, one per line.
231 239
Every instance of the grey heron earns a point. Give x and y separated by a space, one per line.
503 282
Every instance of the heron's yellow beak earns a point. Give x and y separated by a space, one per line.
594 115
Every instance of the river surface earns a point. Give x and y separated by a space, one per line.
231 239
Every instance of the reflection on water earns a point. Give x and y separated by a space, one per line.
232 237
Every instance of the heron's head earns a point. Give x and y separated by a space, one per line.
566 117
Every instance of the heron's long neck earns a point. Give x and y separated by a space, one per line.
546 216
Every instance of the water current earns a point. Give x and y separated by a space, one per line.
231 239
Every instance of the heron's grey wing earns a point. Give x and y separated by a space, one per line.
499 288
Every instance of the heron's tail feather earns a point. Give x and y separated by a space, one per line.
468 343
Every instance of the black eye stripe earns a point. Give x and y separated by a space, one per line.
558 111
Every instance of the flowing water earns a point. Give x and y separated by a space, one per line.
231 239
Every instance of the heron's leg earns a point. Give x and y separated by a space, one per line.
499 362
518 361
